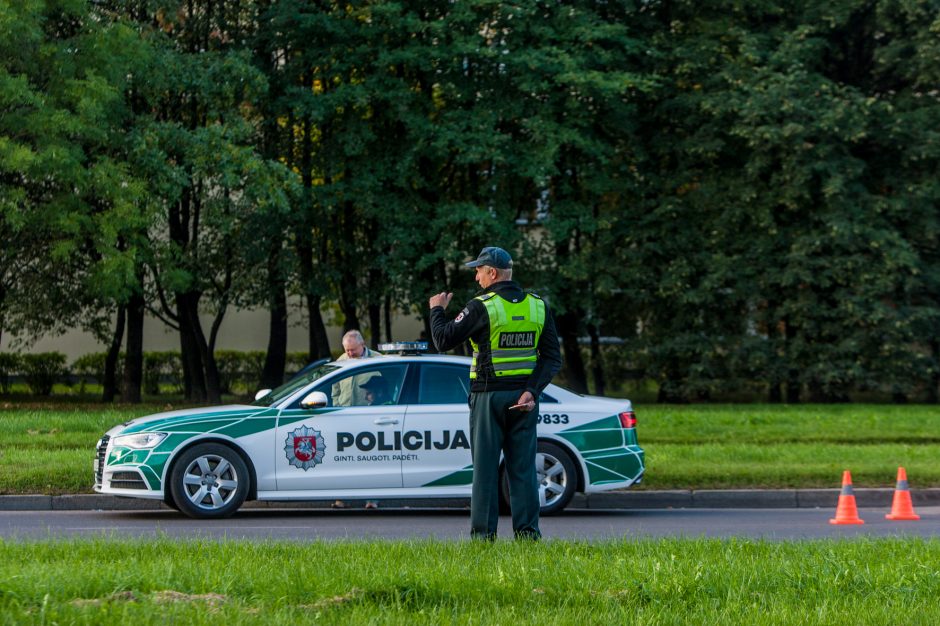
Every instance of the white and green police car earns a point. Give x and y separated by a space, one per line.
379 428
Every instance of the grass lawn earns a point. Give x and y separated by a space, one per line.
794 446
48 448
887 581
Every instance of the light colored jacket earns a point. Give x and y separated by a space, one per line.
347 391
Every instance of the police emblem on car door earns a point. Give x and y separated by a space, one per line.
351 443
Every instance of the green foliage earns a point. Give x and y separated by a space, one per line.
160 366
239 372
296 361
9 365
91 367
70 213
745 193
43 370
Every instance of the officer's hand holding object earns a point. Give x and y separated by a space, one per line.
526 402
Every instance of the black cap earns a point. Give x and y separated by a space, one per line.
376 384
493 257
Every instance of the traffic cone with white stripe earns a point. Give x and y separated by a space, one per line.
902 509
846 511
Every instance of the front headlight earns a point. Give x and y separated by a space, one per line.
140 440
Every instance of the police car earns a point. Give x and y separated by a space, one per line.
379 428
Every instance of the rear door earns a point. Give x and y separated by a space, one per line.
436 434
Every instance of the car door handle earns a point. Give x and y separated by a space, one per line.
384 421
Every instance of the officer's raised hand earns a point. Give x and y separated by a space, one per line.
440 299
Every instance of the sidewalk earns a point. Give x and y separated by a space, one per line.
675 499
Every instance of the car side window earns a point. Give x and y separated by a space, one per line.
367 387
443 384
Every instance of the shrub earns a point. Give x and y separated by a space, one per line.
231 365
90 367
296 361
9 365
41 371
253 367
159 366
240 371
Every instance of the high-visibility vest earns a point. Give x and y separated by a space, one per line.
515 328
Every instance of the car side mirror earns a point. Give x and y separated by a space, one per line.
315 400
262 393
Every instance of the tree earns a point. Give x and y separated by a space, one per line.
198 152
68 195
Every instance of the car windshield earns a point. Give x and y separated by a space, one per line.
293 385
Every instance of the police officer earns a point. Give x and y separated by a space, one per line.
515 355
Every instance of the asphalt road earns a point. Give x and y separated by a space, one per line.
358 524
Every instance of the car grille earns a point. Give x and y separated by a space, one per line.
127 480
102 452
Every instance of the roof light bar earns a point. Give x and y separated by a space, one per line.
404 347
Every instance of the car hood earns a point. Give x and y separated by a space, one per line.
199 417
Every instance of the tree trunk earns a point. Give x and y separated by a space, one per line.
597 365
348 283
376 285
426 333
109 383
275 360
793 373
347 304
213 379
775 335
3 294
388 318
134 355
319 342
574 373
187 305
185 362
774 395
933 388
375 325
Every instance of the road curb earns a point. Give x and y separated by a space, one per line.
666 499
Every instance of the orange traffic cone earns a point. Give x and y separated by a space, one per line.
901 507
846 511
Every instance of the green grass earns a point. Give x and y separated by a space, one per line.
789 465
765 424
888 581
48 448
788 446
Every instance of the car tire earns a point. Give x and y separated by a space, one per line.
209 480
557 479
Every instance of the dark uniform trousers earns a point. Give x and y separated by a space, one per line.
494 429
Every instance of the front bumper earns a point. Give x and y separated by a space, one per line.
119 480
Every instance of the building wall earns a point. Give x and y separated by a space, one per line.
240 330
